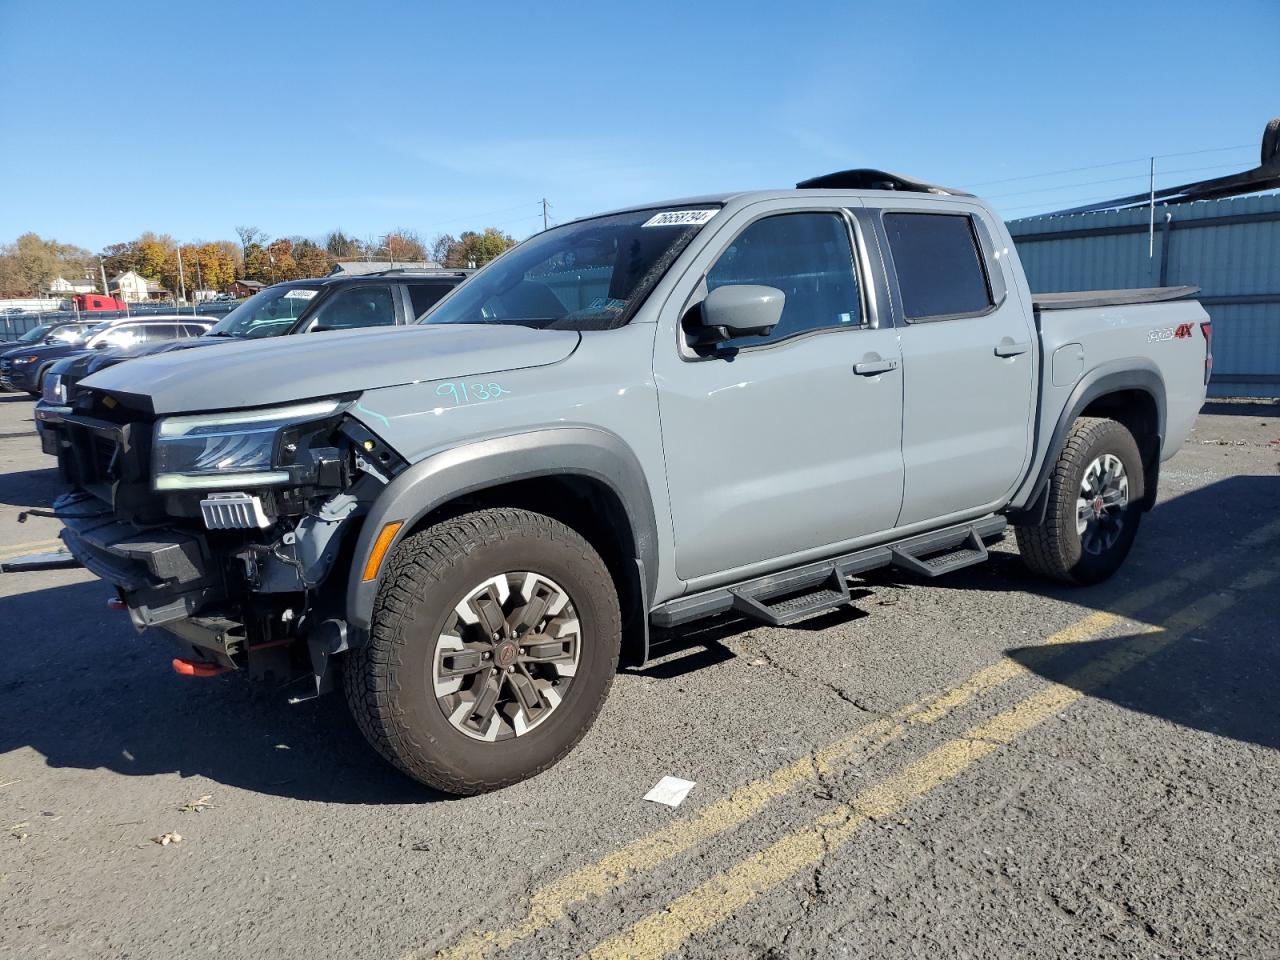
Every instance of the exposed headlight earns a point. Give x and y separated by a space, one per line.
25 359
53 390
236 449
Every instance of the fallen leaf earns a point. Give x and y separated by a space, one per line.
167 838
195 806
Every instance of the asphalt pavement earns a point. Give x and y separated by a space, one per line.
986 765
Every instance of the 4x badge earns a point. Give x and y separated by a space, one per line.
1180 332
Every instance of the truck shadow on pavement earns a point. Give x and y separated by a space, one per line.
87 692
84 691
30 488
1218 679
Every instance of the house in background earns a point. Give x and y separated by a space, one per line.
245 288
129 287
61 287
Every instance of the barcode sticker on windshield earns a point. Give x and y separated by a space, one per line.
300 294
680 218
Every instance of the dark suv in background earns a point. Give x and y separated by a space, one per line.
341 302
24 368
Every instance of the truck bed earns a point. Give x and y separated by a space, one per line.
1075 299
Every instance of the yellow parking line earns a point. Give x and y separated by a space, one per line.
35 546
549 904
714 901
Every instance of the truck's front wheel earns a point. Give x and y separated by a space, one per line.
494 642
1095 505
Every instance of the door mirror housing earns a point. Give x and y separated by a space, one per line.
738 310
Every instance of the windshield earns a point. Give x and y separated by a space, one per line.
589 275
34 334
71 333
266 314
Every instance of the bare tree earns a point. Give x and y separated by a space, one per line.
249 235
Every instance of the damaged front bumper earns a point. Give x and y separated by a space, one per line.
241 605
164 576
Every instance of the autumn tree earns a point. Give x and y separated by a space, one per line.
341 247
404 245
118 258
157 259
476 249
312 260
440 247
31 263
256 265
280 260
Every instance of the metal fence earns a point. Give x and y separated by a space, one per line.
1228 248
15 324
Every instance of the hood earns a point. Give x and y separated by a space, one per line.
45 351
101 359
255 373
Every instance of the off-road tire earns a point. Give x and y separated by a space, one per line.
1053 549
387 680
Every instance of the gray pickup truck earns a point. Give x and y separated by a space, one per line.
724 405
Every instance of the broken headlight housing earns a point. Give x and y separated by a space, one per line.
246 448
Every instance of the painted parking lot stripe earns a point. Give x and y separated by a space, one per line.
35 546
717 899
550 903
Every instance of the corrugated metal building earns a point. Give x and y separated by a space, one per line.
1228 248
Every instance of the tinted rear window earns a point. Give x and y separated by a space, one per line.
939 269
424 296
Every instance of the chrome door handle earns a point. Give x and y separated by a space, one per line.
869 368
1008 348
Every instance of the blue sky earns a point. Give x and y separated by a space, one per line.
189 119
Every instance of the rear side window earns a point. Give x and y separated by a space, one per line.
365 305
940 272
159 332
805 255
424 296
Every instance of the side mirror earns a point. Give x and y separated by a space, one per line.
738 310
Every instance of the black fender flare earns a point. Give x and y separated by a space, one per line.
1114 376
468 468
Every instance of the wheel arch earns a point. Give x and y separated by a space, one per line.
551 471
1130 391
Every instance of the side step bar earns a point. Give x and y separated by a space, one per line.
929 563
805 591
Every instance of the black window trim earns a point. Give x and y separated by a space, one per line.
982 241
857 249
307 319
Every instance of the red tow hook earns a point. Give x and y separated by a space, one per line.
196 668
115 603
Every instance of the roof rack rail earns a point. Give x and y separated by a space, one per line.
864 178
421 271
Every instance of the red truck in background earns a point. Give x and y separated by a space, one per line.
90 302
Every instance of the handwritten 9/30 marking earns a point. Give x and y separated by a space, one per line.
462 393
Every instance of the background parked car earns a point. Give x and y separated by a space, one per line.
63 330
300 306
24 368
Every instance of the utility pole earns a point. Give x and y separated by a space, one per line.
103 267
182 286
1151 235
546 220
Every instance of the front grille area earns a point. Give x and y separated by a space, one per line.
105 460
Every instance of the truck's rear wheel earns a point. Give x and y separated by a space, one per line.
494 642
1095 505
